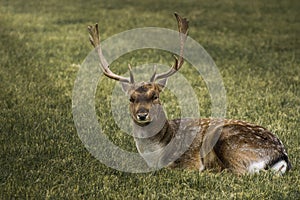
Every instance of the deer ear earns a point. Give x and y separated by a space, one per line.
126 87
162 83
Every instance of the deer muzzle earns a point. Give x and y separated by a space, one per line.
143 116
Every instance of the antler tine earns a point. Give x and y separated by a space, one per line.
152 79
183 26
95 41
130 74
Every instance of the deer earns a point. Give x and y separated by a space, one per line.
194 144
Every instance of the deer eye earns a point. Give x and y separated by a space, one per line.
131 99
155 97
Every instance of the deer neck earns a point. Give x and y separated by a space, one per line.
152 148
149 139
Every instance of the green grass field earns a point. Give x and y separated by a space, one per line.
255 45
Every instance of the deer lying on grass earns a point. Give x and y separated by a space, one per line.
240 147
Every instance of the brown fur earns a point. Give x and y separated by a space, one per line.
240 143
240 147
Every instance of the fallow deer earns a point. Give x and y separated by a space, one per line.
240 147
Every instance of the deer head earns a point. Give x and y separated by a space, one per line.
144 96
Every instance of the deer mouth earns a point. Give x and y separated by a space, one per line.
143 118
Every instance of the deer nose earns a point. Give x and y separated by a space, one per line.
142 116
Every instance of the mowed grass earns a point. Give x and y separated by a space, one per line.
255 45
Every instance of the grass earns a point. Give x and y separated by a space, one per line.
255 45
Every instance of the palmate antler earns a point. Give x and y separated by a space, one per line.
183 26
95 41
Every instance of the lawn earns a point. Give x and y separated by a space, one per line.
255 45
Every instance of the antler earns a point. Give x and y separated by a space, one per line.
183 26
95 41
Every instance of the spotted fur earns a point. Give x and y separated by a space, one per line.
241 147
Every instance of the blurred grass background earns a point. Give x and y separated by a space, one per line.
255 45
